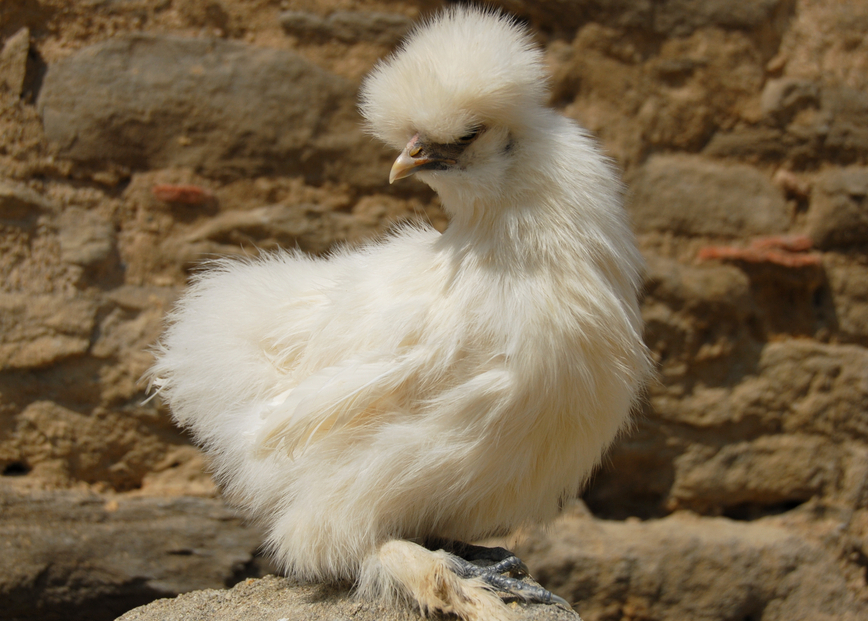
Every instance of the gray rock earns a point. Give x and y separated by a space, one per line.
227 108
347 26
762 142
848 284
140 298
691 196
844 125
85 237
83 557
783 97
571 14
278 599
679 302
838 214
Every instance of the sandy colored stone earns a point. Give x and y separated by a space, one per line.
41 330
686 567
803 123
793 386
62 446
770 470
693 196
272 598
85 557
13 64
672 18
19 205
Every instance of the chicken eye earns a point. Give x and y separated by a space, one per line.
469 136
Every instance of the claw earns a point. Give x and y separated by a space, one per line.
497 561
505 584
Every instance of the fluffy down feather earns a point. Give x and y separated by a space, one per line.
453 386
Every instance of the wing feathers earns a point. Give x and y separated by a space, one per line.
328 400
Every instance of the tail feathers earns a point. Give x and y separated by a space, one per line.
404 570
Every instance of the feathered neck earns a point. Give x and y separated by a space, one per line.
559 209
513 218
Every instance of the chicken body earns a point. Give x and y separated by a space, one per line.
453 386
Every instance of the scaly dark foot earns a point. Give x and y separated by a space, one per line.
488 564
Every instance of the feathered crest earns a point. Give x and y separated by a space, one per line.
466 65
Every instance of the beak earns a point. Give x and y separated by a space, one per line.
417 156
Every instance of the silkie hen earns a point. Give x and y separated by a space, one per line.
374 406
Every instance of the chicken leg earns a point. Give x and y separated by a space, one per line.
489 565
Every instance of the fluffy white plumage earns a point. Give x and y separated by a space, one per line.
452 386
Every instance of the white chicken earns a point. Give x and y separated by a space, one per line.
373 406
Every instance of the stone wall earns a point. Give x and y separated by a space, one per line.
139 137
